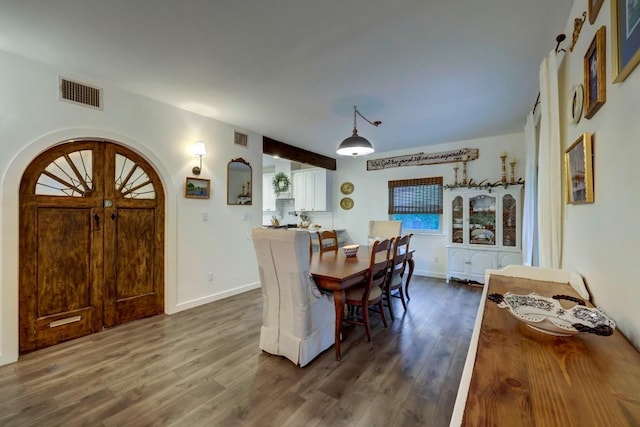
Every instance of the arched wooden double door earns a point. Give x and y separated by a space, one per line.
91 242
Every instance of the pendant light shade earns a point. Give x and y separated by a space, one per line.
355 145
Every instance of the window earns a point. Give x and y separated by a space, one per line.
417 203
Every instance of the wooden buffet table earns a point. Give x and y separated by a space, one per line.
515 375
334 272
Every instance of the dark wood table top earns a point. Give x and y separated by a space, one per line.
525 377
336 267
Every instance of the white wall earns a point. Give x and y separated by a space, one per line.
371 192
32 119
600 240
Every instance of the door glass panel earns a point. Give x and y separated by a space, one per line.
69 175
131 180
456 220
482 220
509 219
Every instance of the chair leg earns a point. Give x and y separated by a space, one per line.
365 320
384 320
387 292
404 304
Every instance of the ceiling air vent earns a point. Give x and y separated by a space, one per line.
80 93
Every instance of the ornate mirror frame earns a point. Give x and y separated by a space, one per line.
239 182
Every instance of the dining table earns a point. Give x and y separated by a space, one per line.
334 272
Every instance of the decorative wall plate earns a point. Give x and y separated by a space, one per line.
346 203
346 188
546 315
576 103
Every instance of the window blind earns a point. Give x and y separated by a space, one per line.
416 196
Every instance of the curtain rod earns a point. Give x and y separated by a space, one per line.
559 39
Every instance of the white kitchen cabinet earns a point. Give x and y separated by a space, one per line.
484 229
268 196
310 189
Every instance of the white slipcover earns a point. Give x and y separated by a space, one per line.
297 321
380 230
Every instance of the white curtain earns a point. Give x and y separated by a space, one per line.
530 209
549 167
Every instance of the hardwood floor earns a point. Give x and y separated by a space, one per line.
203 367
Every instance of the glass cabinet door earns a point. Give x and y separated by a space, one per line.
457 216
482 220
509 220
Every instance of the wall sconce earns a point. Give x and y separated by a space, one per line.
198 150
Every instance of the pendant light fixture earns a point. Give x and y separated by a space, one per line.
355 145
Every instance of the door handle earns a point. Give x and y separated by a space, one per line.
113 216
96 218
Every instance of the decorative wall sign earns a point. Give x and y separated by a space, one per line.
462 154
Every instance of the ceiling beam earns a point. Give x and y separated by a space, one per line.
289 152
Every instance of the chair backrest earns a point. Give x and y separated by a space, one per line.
298 321
327 240
379 230
398 262
378 265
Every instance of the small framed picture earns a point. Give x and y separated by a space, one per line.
197 188
625 32
594 8
595 74
578 164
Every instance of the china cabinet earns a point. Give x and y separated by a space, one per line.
310 189
484 229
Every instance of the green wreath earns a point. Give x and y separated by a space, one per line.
280 183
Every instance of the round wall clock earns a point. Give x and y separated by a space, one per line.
346 188
576 103
346 203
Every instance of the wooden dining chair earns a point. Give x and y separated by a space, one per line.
327 241
397 267
369 292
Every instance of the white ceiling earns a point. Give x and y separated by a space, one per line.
431 71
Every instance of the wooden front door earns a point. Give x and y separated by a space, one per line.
91 242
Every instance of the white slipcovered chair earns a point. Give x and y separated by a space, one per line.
298 322
380 230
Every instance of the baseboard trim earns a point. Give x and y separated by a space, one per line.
215 297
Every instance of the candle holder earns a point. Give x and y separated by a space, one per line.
503 158
512 163
464 172
455 175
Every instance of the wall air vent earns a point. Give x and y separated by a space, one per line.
240 138
80 93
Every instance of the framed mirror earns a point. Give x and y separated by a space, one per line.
239 182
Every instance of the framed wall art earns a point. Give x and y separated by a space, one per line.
594 8
197 188
625 34
595 82
578 164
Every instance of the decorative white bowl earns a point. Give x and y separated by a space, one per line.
350 250
548 316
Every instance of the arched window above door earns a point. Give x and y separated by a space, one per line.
71 175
